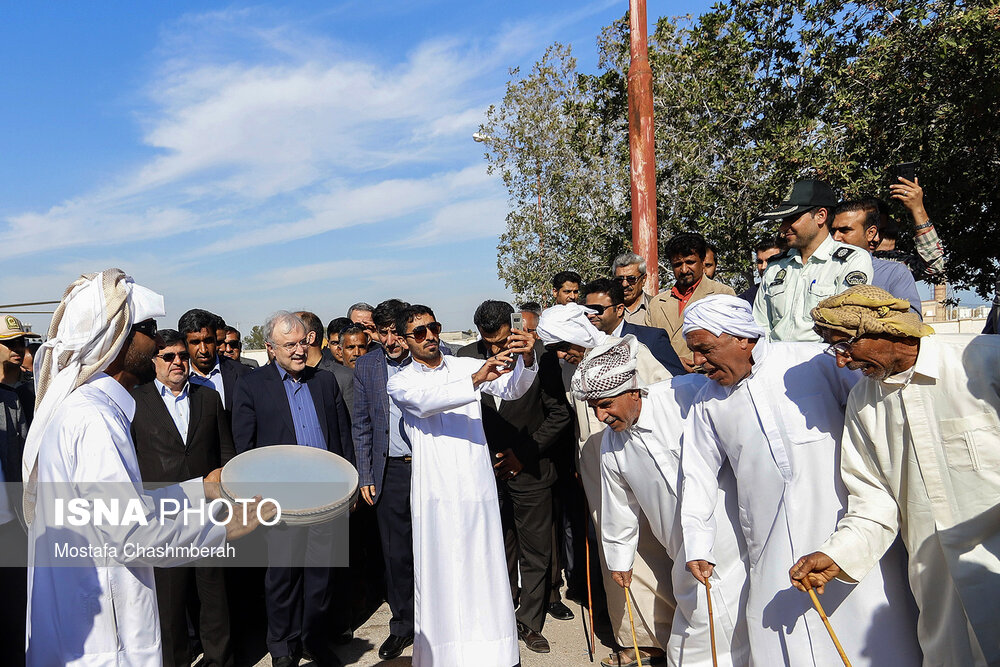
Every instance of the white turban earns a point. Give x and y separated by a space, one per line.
88 330
608 370
722 313
568 323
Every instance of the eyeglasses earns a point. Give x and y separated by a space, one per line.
420 333
631 280
291 347
843 347
146 327
170 356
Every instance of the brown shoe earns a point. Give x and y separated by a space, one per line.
534 641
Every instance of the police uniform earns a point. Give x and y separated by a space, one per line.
790 289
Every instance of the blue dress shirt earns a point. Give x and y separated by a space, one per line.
307 429
399 443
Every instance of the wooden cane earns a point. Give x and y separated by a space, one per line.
631 622
590 597
711 622
829 628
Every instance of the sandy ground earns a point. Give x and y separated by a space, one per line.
566 638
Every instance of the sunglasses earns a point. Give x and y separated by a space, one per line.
170 356
561 346
631 280
597 308
235 344
419 334
146 328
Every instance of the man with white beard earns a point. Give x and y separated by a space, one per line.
640 470
775 411
567 330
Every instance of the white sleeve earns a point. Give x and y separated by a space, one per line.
512 386
426 396
701 461
619 516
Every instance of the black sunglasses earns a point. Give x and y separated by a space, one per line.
631 280
561 346
146 327
597 308
170 356
231 343
420 333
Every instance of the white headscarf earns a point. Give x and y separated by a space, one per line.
608 370
568 323
88 330
722 313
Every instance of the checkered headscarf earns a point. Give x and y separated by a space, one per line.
608 370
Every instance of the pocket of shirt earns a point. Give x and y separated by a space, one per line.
972 442
820 291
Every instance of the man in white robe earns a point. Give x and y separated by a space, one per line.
102 609
921 457
464 615
568 331
640 471
775 411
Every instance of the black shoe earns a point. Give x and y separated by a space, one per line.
285 661
393 646
560 612
533 641
344 638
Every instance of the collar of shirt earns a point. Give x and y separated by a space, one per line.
398 362
757 355
926 363
646 421
684 296
165 390
617 333
113 389
823 253
424 368
215 369
640 304
284 375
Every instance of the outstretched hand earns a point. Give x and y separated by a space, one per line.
813 571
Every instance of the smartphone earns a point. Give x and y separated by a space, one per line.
516 322
907 170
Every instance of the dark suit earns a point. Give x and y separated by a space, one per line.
13 580
298 599
344 375
230 371
166 456
531 427
657 342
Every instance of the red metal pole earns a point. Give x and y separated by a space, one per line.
641 147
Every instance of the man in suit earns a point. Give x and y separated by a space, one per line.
208 367
232 347
384 460
605 299
352 341
282 403
686 253
521 434
181 431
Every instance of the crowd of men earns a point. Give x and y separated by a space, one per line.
809 433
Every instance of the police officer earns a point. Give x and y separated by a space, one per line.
813 268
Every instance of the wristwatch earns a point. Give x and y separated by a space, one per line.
926 225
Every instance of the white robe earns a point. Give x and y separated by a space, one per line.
463 611
103 613
641 473
653 602
922 457
780 429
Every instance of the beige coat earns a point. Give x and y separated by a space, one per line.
664 312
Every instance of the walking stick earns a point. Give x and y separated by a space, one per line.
826 622
631 622
711 622
590 598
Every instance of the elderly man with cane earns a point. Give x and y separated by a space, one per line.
567 330
641 452
775 412
921 458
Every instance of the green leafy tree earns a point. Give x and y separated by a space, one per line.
255 339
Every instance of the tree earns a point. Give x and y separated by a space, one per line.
255 339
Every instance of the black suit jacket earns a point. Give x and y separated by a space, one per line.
13 433
164 456
261 415
344 375
231 370
657 342
532 425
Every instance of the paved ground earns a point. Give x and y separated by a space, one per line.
567 639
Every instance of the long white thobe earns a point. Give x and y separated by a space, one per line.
103 613
640 470
652 595
921 456
780 429
464 614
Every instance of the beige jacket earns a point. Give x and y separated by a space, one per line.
664 313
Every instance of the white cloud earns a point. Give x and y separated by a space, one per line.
463 221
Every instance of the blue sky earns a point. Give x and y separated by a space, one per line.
246 157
